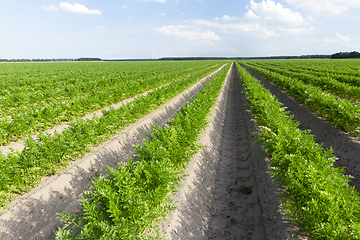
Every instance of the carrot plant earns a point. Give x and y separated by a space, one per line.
83 96
129 203
346 71
47 155
316 196
340 113
325 83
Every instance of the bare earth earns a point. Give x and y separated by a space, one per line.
346 147
19 145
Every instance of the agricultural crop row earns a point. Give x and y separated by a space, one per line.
28 84
88 95
326 83
21 171
338 112
316 196
334 68
129 203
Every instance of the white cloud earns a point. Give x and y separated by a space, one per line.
252 28
262 20
272 47
343 38
265 33
51 8
272 11
244 27
251 15
162 14
226 18
181 31
295 30
353 46
234 50
331 40
78 8
325 6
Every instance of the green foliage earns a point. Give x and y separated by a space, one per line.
346 71
39 96
338 112
129 203
45 156
325 81
316 195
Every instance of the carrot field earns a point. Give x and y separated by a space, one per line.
251 149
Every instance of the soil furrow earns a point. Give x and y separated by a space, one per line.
346 148
228 193
236 211
19 145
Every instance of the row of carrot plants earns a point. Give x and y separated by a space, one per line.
326 83
344 77
316 196
129 203
21 171
338 112
34 119
324 67
28 84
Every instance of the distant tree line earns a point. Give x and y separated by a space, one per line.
50 60
39 60
345 55
174 58
129 60
244 58
88 59
193 58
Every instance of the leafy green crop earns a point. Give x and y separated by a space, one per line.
31 105
44 157
346 71
326 83
338 112
316 196
129 203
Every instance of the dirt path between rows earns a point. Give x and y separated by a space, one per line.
346 147
228 193
34 214
19 145
236 209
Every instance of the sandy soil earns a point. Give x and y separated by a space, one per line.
19 145
211 206
346 147
34 214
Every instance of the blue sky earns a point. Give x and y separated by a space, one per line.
121 29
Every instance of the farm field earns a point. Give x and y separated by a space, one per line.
227 192
24 169
37 96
